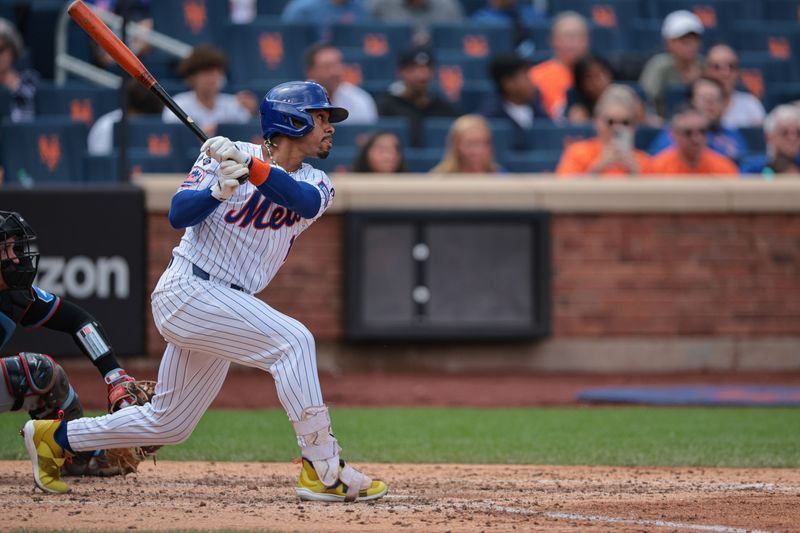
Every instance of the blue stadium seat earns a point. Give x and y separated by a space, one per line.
644 136
48 150
270 7
5 103
361 68
644 36
775 10
374 39
473 94
267 49
340 160
674 96
603 13
534 161
775 41
355 135
780 93
435 130
761 68
422 160
155 138
473 40
546 136
106 168
242 132
80 102
754 139
192 21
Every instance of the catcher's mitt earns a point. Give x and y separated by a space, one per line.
122 395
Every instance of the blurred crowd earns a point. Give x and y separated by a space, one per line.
699 133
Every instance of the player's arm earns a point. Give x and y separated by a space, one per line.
195 200
274 183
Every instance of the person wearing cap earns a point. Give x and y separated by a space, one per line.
681 64
569 39
412 95
204 72
324 66
21 86
516 98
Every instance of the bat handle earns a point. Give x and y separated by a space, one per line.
180 113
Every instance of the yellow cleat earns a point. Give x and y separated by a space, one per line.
47 456
310 488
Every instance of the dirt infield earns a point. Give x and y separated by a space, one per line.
173 495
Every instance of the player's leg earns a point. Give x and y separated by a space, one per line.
242 328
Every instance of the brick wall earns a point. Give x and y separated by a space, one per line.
614 275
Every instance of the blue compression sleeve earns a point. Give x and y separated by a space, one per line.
191 207
301 197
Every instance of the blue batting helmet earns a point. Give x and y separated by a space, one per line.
284 108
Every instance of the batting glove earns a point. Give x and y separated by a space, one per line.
228 176
222 148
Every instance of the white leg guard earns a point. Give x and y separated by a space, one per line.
317 444
355 481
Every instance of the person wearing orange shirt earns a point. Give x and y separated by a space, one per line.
690 155
611 152
569 40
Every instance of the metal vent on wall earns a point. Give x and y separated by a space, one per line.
420 275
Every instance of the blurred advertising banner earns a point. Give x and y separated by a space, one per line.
91 241
439 275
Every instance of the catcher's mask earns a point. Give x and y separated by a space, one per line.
19 257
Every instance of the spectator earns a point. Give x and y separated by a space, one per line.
706 97
204 72
469 148
412 95
325 13
21 86
382 153
420 14
324 66
509 11
569 39
782 130
139 101
680 64
516 98
742 109
592 76
137 11
611 152
690 155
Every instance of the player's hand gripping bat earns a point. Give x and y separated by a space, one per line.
102 35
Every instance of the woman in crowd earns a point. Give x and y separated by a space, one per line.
382 153
469 148
611 152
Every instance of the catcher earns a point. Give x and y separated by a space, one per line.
35 382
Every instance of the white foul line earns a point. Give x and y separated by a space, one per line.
629 521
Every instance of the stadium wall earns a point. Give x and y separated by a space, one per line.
659 276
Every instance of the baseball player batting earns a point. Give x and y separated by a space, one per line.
236 239
33 381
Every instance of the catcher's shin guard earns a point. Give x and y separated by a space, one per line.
47 457
40 385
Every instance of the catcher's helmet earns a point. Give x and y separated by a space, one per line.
18 272
284 108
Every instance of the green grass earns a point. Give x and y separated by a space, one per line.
731 437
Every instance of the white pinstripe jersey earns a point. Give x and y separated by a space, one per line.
247 238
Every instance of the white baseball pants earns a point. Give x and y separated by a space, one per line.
207 326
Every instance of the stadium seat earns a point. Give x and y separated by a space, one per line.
373 39
106 168
534 161
435 130
361 68
473 94
777 42
340 160
155 138
780 93
473 40
267 49
603 38
191 21
355 135
759 71
674 96
422 160
602 13
777 10
754 139
242 132
80 102
5 103
48 150
546 136
271 7
644 136
644 36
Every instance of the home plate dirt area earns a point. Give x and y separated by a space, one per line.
253 496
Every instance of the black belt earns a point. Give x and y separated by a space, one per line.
202 274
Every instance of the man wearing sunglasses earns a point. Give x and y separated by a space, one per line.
611 152
690 153
741 109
